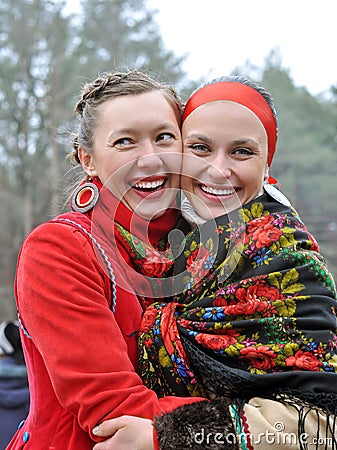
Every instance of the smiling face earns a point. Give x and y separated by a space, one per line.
225 157
137 152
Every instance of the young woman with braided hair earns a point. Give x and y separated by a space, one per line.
79 295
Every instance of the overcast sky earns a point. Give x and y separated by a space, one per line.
219 35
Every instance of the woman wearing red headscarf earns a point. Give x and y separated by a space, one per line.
253 321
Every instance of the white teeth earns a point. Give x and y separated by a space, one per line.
149 184
212 191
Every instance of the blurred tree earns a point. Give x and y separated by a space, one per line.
119 33
33 39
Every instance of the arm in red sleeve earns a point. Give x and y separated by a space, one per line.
62 299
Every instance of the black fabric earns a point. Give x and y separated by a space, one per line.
255 313
315 389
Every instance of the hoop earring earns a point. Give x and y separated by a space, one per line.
85 197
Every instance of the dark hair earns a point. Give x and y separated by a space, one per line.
111 85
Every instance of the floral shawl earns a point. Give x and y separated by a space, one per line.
254 312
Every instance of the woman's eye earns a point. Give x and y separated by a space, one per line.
164 137
122 142
243 151
199 148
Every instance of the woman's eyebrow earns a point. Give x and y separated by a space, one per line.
199 137
245 141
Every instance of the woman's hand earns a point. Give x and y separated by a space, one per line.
127 433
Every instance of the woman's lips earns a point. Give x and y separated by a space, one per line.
149 186
217 191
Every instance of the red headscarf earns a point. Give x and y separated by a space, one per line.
240 93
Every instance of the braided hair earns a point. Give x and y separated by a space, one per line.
111 85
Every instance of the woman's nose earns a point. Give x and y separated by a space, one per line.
219 168
150 159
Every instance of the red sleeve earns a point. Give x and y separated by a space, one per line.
61 294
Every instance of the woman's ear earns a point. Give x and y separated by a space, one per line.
87 162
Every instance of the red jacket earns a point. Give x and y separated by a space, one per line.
80 356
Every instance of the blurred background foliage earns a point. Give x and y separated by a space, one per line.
46 55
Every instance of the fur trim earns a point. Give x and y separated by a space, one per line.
195 426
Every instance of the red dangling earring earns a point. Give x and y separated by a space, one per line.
85 197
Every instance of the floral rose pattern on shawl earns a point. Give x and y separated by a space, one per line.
256 297
152 262
155 263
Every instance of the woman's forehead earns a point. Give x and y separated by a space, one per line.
221 112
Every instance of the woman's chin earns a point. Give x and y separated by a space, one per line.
153 206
